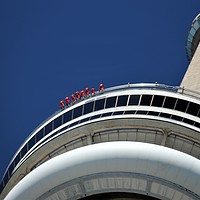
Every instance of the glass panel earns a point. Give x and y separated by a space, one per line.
73 124
196 25
169 102
146 100
142 112
192 31
118 113
188 121
48 128
158 101
165 115
197 124
134 100
188 45
106 114
88 107
177 118
193 109
95 117
129 112
23 151
5 178
58 122
1 187
181 105
84 120
39 135
99 104
110 102
31 142
190 37
77 112
122 100
17 159
67 116
153 113
11 168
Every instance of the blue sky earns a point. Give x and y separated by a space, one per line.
50 49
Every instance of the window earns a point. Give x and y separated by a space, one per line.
118 113
110 102
158 101
23 151
17 159
134 100
57 122
39 135
130 112
48 128
88 107
142 112
67 116
165 115
11 168
153 113
169 102
84 120
181 105
5 179
95 117
77 112
106 114
31 142
176 118
193 109
122 100
188 121
99 104
197 124
146 100
1 187
73 124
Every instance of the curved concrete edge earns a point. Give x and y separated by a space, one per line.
134 157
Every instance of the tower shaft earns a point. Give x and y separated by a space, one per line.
191 79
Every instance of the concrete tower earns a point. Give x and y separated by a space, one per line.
134 141
191 79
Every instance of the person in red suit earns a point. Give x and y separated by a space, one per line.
67 100
62 105
101 87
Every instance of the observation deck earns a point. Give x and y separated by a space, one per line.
149 113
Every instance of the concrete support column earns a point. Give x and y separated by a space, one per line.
89 139
166 132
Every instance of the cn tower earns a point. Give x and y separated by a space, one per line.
134 141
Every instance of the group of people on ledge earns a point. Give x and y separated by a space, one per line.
79 95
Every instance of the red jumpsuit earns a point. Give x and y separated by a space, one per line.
77 95
87 91
67 100
82 93
73 97
101 87
92 91
62 105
